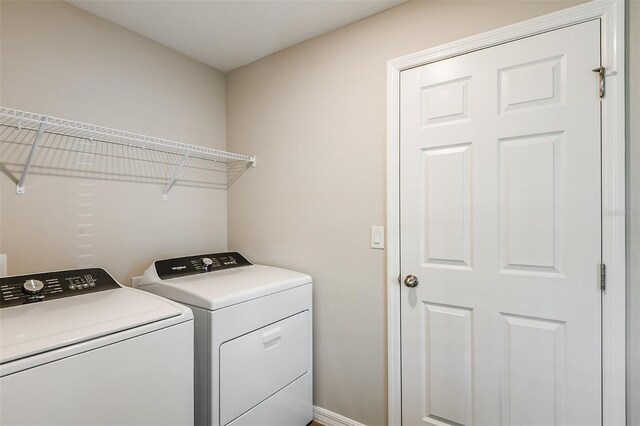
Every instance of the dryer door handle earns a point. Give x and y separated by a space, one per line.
271 338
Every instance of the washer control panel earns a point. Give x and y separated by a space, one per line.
21 289
199 264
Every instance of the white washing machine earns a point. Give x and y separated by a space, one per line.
253 337
76 348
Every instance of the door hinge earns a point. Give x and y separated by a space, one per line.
601 83
603 277
399 278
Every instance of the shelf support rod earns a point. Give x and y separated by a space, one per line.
175 176
32 155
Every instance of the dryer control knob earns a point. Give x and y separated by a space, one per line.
207 263
32 286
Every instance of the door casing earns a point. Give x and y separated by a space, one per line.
611 15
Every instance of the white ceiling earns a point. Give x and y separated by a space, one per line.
227 34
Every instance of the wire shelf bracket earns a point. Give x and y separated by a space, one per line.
32 154
172 181
195 165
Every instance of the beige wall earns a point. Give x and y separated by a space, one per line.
633 224
314 114
59 60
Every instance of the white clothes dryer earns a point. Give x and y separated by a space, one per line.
77 348
253 337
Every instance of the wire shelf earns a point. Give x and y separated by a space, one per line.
49 145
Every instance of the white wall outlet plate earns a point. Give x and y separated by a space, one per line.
377 237
3 265
135 281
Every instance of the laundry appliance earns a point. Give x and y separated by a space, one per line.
77 348
253 337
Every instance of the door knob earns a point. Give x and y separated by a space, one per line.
411 281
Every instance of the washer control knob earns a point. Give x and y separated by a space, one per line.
207 263
32 286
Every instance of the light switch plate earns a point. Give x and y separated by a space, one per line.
377 237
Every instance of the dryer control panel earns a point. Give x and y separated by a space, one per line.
199 264
22 289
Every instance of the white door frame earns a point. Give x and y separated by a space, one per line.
611 14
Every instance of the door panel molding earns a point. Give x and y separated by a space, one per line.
611 16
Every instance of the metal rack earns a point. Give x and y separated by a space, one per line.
124 155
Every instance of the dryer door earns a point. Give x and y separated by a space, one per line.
257 365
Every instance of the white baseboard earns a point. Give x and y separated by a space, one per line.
329 418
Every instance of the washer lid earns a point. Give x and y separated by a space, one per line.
43 326
222 288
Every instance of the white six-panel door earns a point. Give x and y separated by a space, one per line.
500 205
